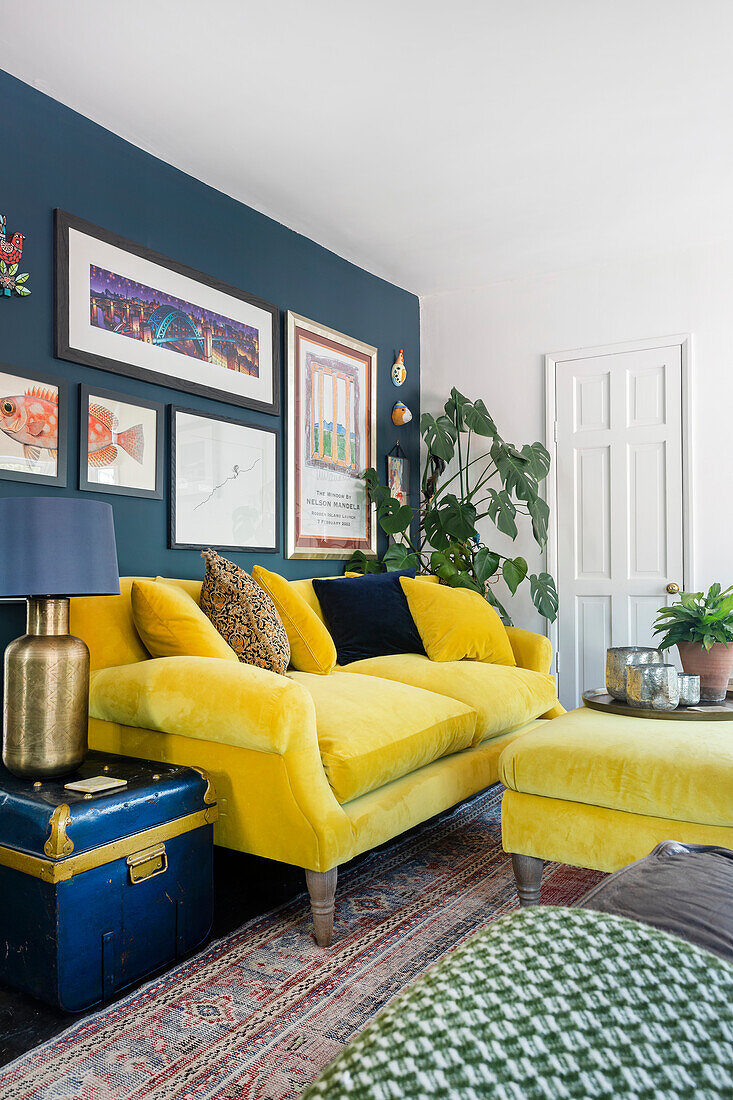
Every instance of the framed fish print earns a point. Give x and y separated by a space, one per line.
126 309
332 436
33 427
121 444
225 479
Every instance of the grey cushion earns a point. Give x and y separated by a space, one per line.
686 889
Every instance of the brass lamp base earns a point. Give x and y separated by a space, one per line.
46 705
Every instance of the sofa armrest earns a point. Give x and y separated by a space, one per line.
532 651
207 699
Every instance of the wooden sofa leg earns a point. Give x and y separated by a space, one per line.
322 890
528 877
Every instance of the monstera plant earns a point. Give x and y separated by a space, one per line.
458 490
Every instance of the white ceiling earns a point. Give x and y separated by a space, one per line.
438 143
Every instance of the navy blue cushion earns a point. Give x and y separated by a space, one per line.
368 616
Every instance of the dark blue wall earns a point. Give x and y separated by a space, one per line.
53 157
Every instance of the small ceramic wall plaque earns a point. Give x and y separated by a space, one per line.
399 370
12 280
401 414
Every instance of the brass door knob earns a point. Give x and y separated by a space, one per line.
673 588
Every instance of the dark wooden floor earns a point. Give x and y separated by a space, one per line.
244 887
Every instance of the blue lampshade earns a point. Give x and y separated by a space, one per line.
57 546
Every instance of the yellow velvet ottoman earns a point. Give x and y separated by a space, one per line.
601 790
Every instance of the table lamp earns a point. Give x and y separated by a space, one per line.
51 548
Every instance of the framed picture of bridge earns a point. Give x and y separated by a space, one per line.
332 439
124 308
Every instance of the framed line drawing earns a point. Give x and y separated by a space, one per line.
123 308
34 425
332 439
225 484
120 444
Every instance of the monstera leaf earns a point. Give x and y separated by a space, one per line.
514 570
360 563
538 459
400 556
539 510
450 519
442 565
440 435
544 595
469 415
485 564
502 510
514 470
478 420
465 580
395 518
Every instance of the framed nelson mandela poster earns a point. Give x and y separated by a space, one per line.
225 482
121 444
332 438
126 309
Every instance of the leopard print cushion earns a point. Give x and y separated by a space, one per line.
244 615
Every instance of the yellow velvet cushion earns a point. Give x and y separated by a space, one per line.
192 587
502 697
172 625
456 624
311 646
105 624
372 732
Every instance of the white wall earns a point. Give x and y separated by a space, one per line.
490 343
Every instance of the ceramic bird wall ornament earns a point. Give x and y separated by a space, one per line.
401 415
11 252
399 370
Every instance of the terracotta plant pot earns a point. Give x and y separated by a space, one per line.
713 666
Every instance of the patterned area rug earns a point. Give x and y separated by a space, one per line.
259 1013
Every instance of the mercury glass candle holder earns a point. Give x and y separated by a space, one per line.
653 687
689 685
618 660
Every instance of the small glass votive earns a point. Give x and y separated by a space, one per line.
689 689
652 687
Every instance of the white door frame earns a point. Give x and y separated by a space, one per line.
684 343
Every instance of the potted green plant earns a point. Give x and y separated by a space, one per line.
460 489
701 626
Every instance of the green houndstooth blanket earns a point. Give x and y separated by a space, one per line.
551 1003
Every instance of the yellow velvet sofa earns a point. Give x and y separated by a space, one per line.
309 769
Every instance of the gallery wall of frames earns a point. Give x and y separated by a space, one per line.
219 379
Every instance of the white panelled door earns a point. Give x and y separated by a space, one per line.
619 505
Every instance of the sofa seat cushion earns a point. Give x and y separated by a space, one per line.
372 732
502 697
677 770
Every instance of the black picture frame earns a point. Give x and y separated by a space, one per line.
85 485
236 549
60 384
63 222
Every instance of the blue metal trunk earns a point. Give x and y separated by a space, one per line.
98 891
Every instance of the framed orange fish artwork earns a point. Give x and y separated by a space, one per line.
33 427
121 445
